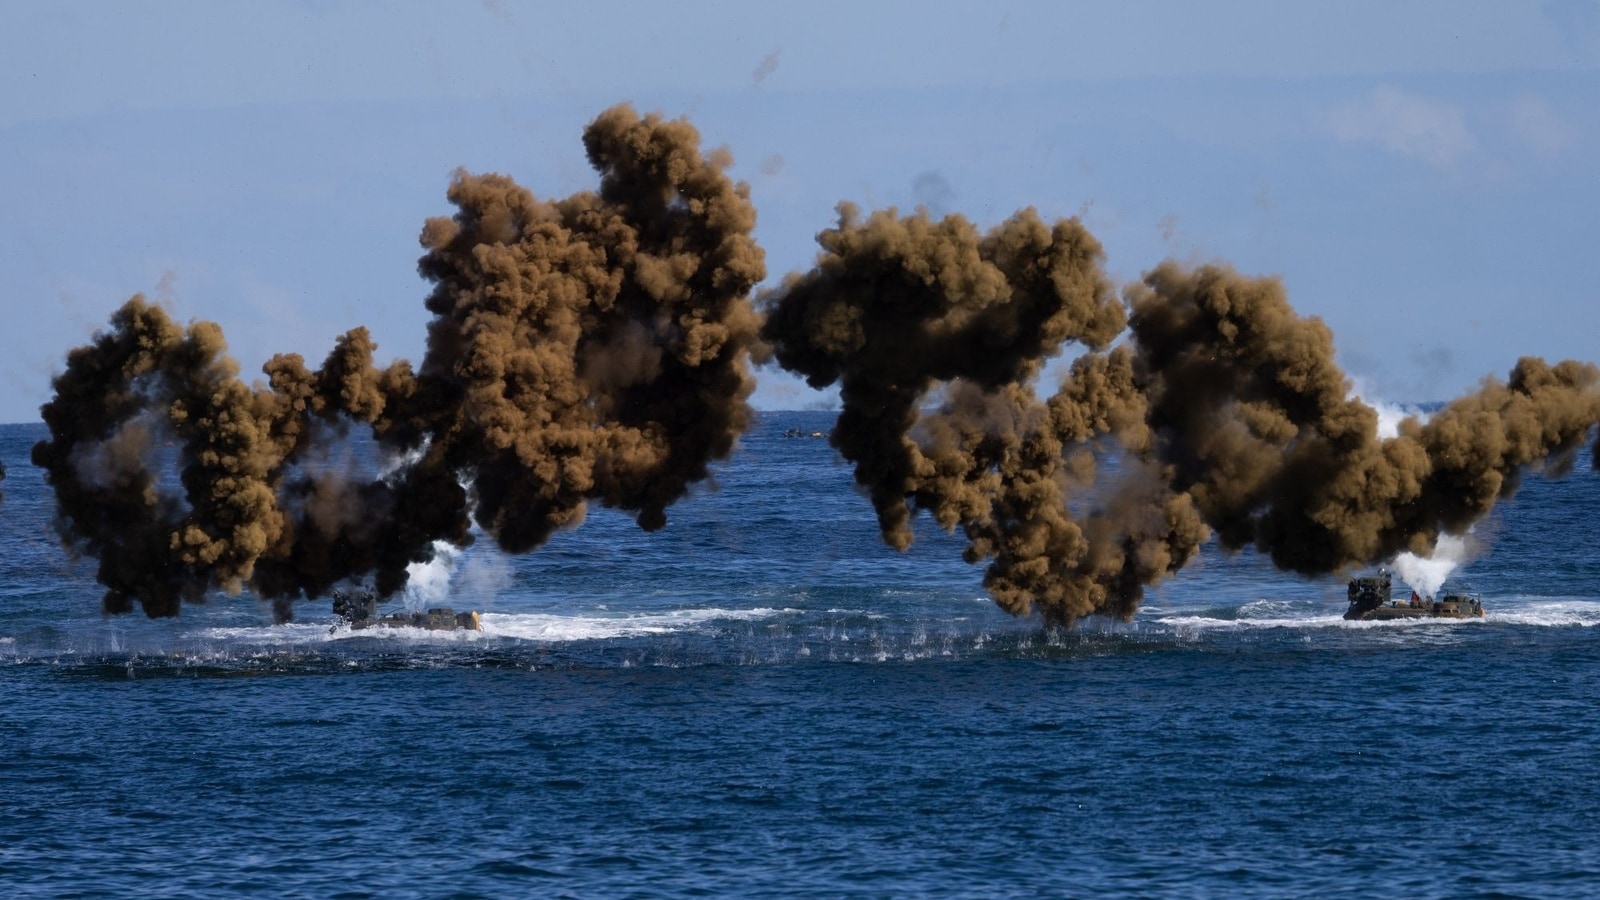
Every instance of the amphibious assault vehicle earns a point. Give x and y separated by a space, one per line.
1370 601
360 609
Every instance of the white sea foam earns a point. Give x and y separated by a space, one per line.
1212 623
550 627
1265 609
292 633
544 627
1551 613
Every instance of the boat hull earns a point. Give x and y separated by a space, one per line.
360 610
1370 602
1393 612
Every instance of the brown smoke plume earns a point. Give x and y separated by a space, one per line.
899 307
595 349
1254 420
1225 412
591 348
145 379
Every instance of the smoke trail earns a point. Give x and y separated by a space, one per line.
591 348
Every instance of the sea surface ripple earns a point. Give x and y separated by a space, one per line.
763 699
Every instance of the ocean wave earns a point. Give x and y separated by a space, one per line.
1550 613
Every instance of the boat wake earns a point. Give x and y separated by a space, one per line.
1549 612
1268 614
234 641
538 627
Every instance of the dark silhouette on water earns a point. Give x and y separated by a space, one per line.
359 610
1371 600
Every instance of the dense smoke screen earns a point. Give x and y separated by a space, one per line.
596 349
1223 410
1257 424
899 307
593 348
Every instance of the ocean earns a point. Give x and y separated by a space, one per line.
763 699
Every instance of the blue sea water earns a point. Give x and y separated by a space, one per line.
763 699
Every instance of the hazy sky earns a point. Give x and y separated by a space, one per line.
1421 175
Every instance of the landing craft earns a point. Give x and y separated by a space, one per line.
1370 601
360 609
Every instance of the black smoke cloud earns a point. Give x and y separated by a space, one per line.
595 349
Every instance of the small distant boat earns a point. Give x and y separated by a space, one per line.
1371 600
359 608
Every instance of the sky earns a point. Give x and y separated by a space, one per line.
1420 175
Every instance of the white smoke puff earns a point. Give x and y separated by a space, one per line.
393 463
1426 574
482 576
428 584
1390 415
